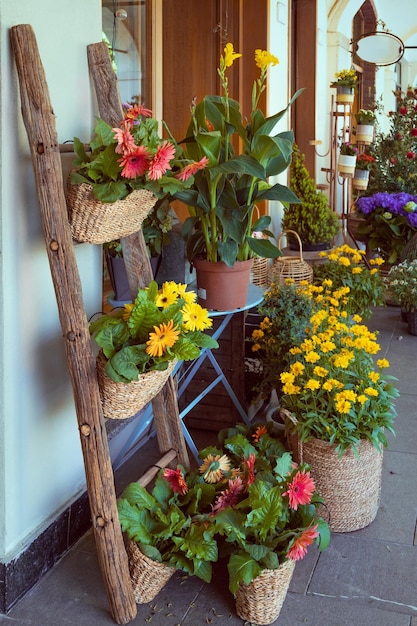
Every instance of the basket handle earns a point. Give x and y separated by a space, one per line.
284 232
285 414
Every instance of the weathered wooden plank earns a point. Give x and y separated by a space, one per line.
39 121
165 405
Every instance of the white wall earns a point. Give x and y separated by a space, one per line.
41 467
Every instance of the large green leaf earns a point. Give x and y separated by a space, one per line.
264 248
278 192
243 568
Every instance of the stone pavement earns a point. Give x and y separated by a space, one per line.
364 578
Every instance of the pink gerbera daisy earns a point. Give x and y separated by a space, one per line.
299 547
160 163
300 490
176 480
135 163
250 464
192 168
229 496
125 141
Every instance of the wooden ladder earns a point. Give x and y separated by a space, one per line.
40 126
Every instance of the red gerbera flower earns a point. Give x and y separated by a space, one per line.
176 480
135 163
228 497
160 163
300 490
192 168
250 464
135 111
298 550
261 430
125 141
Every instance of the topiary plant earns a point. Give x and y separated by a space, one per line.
313 219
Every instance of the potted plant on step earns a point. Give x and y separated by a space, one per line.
362 169
312 219
365 124
338 403
228 183
402 285
141 343
346 162
346 82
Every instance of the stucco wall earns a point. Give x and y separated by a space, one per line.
41 467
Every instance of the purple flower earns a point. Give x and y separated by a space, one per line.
390 202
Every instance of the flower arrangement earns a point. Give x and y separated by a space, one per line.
333 386
159 326
345 268
365 116
227 185
402 284
131 156
395 152
248 492
348 149
345 78
391 222
364 161
286 312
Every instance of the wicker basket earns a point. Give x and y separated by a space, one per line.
261 601
148 577
285 267
93 221
412 322
122 400
259 272
349 485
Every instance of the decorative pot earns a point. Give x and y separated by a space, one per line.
346 165
148 577
261 601
365 133
412 322
360 179
98 222
220 287
344 95
349 485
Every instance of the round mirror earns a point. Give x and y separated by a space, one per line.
379 48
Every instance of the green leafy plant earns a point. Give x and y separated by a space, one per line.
227 184
159 326
333 386
132 156
365 116
345 267
349 149
286 312
312 219
402 283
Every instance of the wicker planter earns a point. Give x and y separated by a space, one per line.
122 400
350 486
261 601
344 95
360 179
98 222
148 577
346 165
293 267
364 133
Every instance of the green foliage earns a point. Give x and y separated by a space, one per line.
125 334
312 219
402 283
286 312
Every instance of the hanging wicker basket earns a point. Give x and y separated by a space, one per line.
98 222
294 267
148 577
122 400
261 601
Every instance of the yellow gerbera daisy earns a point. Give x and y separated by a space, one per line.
127 309
195 317
214 466
164 337
167 295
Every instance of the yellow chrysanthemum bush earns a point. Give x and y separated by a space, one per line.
159 326
334 386
345 267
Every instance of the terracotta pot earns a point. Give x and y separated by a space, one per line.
360 179
220 287
344 95
346 165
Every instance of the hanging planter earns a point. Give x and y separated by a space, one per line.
365 133
344 94
346 165
360 179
